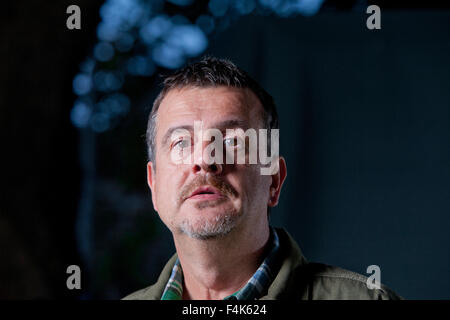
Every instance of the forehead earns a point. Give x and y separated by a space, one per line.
211 104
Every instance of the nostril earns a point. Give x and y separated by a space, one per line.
211 168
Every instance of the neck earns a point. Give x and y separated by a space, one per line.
216 268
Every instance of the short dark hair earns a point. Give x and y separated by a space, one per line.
211 72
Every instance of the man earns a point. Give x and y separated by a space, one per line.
217 210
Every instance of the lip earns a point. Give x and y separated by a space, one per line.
206 193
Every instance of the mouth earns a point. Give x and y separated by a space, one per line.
205 193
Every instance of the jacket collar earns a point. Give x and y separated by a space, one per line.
292 259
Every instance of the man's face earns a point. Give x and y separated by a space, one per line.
199 199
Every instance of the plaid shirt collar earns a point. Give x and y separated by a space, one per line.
255 288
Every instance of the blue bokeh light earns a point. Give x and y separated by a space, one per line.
168 56
206 23
190 38
107 31
244 7
114 105
139 36
181 2
107 80
308 7
218 8
99 122
121 103
82 84
155 28
125 42
103 51
272 4
80 114
179 19
140 66
87 66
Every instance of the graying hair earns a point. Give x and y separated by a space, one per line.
151 136
210 72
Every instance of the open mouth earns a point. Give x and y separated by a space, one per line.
206 193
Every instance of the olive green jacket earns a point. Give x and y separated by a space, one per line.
296 279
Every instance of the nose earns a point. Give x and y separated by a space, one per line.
214 168
204 162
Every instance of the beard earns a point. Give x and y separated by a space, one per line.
204 228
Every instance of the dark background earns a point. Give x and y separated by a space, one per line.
364 128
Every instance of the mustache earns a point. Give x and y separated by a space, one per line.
204 180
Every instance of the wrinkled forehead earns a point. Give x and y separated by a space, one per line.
210 105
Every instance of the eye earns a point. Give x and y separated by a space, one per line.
233 142
181 143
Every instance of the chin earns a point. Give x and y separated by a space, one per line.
210 225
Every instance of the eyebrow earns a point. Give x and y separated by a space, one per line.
230 124
172 130
221 125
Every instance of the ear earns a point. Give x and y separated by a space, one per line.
151 182
277 182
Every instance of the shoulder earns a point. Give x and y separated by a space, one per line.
154 292
148 293
330 282
299 278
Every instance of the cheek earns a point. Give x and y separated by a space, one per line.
161 186
262 189
252 185
168 185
